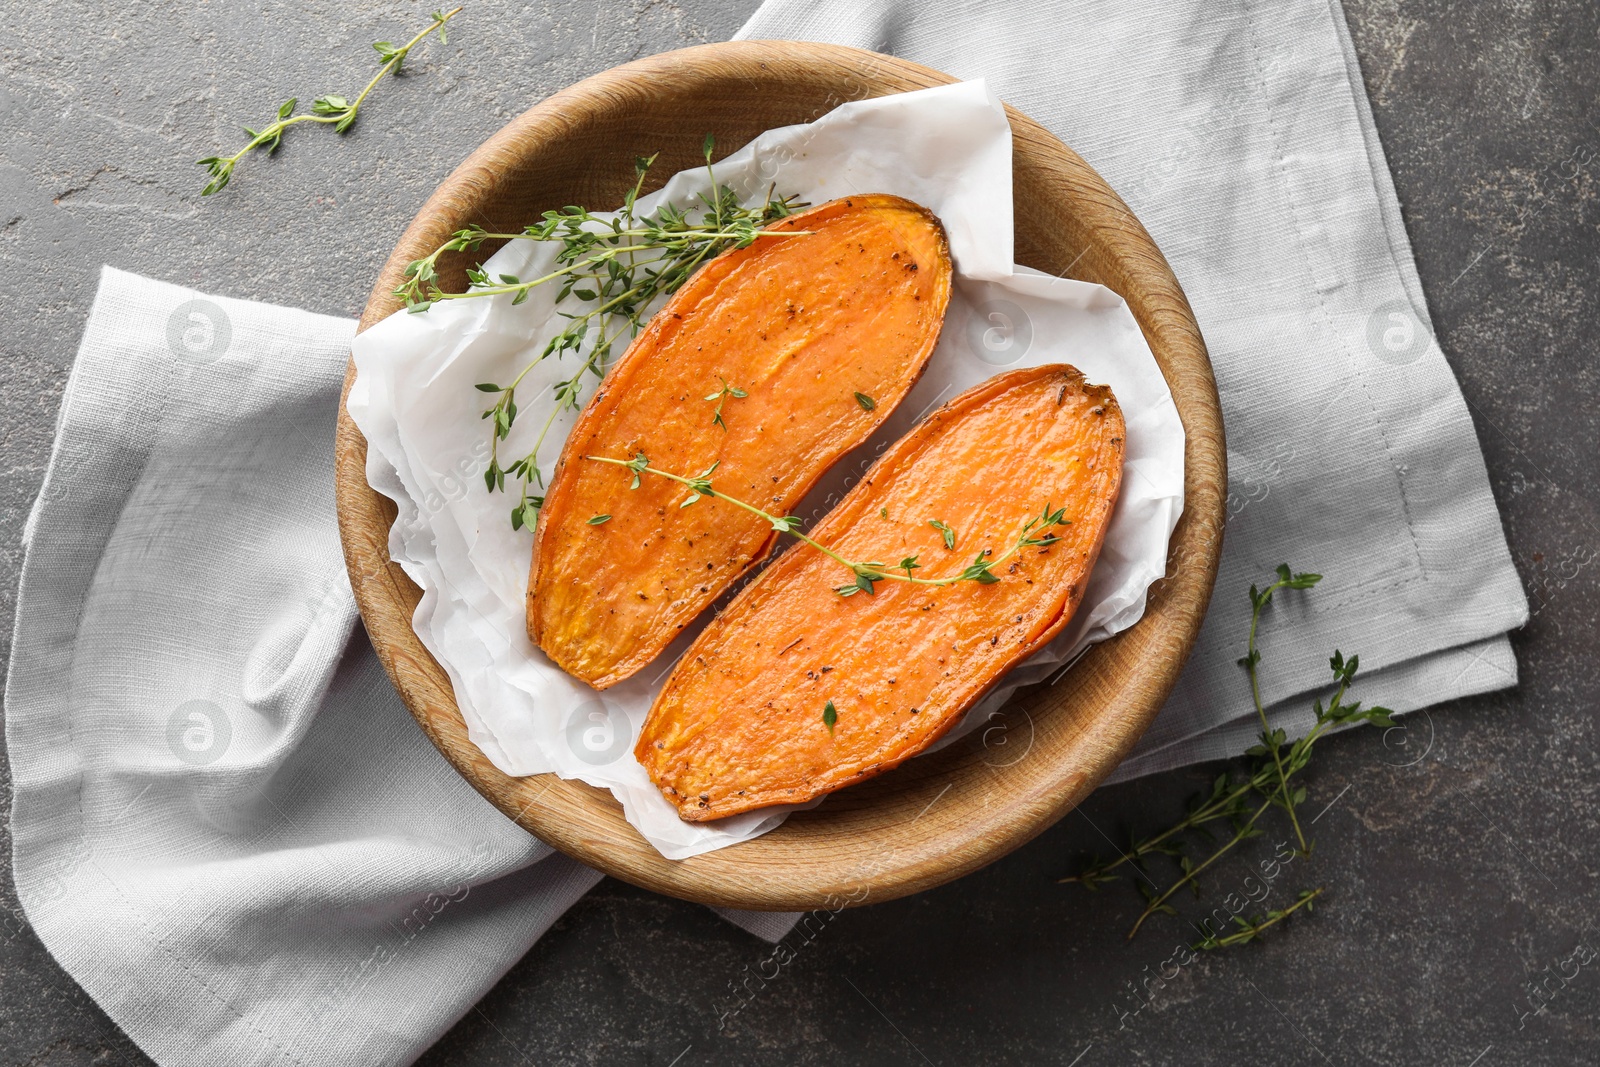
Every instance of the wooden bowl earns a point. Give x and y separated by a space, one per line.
941 815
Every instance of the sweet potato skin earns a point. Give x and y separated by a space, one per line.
739 725
801 324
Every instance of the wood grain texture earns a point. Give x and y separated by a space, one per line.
939 816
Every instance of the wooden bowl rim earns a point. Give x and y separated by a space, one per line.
798 866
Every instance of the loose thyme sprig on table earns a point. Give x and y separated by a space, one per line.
336 111
1243 800
619 266
866 573
1250 929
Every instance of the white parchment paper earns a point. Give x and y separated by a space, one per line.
948 148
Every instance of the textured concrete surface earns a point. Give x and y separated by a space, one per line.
1461 865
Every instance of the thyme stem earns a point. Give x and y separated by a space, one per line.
866 573
325 110
1251 660
1189 876
1252 928
1208 812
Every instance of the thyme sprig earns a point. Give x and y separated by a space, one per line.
721 396
866 573
1242 800
331 110
1272 740
1251 928
616 266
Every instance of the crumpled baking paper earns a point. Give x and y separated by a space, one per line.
948 148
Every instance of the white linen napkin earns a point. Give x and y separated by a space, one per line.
225 825
1239 132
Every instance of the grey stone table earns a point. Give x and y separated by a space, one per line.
1458 866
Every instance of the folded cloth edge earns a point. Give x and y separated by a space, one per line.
43 818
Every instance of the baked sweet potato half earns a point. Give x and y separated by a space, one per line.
770 363
795 690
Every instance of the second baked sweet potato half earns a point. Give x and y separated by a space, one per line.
769 364
823 673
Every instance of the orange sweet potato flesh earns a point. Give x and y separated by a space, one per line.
801 324
740 724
